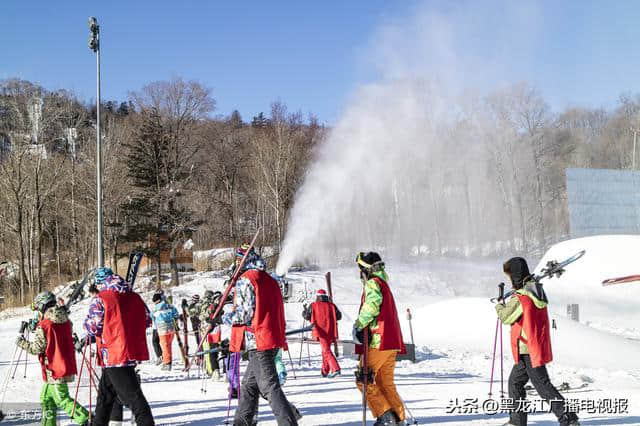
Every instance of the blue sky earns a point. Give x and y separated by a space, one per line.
311 55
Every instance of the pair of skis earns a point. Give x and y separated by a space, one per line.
552 269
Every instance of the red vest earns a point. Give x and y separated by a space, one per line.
59 356
124 336
215 336
388 322
535 323
268 324
323 318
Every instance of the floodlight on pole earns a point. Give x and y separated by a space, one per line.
94 45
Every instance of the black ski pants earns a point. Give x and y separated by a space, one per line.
261 378
521 373
155 342
121 383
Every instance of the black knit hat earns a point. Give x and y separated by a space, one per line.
518 271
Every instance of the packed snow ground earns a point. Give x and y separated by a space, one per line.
453 325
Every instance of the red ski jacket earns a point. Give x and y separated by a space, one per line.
323 318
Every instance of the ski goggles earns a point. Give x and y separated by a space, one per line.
375 266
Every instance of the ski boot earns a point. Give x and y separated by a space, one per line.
333 374
166 367
569 419
386 419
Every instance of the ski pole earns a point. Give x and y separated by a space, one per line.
493 363
75 398
365 374
308 351
293 370
406 407
409 318
26 356
304 323
501 366
6 380
91 384
15 367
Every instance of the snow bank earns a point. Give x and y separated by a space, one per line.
607 256
469 324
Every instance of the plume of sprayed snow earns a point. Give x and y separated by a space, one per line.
354 196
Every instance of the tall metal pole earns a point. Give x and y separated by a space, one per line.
635 137
99 163
94 44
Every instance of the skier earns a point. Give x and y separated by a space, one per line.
193 310
527 315
324 317
378 316
155 337
53 344
207 309
101 274
164 319
122 344
258 326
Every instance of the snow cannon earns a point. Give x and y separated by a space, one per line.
283 284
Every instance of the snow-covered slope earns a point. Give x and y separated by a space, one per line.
453 324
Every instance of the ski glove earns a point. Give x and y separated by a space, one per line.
357 334
20 341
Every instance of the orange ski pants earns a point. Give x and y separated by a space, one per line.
382 394
165 343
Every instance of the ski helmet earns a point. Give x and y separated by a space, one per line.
321 292
43 301
217 295
369 262
101 275
243 249
195 298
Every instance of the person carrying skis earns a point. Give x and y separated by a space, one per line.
526 313
258 326
164 319
324 317
378 316
53 345
118 319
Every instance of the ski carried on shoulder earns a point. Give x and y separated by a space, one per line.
134 264
621 280
225 295
552 269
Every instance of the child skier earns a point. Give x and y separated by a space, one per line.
379 316
164 320
526 313
53 344
324 316
207 308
